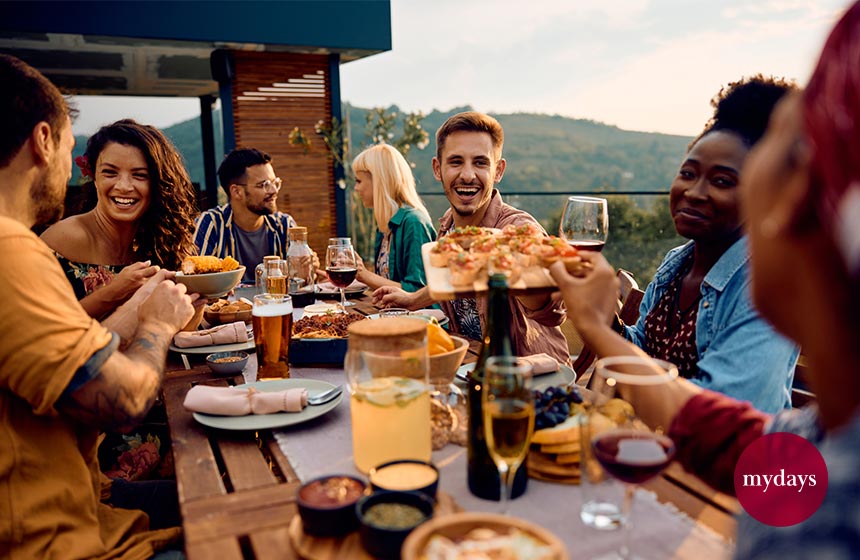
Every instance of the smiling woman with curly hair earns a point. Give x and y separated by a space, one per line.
143 217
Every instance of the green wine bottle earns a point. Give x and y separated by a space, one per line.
483 475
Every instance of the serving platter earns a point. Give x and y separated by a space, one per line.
532 280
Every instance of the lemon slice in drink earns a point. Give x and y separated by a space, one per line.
379 391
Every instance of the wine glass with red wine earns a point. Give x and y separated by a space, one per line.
626 447
585 223
340 265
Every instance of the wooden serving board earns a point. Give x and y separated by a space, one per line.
532 280
310 547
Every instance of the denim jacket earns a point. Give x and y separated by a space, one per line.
740 354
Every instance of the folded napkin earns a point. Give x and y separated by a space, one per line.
541 363
329 287
230 333
437 313
232 401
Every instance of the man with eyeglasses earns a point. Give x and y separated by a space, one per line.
250 226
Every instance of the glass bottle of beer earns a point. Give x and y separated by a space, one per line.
483 475
260 273
300 264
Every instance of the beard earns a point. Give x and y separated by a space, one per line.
260 209
49 202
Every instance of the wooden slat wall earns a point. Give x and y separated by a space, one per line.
307 193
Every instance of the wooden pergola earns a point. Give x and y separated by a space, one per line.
274 65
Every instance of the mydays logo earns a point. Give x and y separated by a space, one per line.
781 479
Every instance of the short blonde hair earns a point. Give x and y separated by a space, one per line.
393 183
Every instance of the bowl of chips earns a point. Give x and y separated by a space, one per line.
222 311
210 277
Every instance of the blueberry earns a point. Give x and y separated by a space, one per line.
565 408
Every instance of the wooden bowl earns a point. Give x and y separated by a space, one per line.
458 525
224 318
444 366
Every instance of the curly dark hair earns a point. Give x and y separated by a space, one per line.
165 234
744 107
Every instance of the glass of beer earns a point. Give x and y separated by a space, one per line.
273 327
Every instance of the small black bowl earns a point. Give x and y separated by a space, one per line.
385 541
322 513
425 485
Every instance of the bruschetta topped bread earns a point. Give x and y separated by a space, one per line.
466 235
553 249
511 251
444 249
464 269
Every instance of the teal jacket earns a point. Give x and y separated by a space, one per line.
409 230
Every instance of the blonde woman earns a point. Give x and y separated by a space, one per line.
384 182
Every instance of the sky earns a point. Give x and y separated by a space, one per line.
640 65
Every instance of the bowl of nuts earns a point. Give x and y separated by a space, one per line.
227 363
223 312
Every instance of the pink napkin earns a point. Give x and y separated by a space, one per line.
541 363
437 313
231 401
230 333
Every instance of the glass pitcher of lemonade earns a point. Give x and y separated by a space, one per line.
386 366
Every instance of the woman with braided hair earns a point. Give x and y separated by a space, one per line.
143 217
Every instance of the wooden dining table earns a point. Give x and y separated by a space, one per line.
237 489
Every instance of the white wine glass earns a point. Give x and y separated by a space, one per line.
340 265
627 448
585 223
509 417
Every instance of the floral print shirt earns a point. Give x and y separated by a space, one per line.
87 278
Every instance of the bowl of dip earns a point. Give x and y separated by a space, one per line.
386 519
327 505
406 475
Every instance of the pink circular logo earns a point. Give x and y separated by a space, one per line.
781 479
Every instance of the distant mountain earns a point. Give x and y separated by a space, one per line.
545 153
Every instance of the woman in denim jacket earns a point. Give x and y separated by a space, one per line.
697 312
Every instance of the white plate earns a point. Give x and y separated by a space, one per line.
280 419
215 347
563 376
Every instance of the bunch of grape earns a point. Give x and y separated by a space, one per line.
552 405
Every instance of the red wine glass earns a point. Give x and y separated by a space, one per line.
341 268
627 448
585 223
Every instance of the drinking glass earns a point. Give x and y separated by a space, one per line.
340 241
272 316
509 417
625 447
585 223
340 265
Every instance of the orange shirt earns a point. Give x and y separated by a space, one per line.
49 472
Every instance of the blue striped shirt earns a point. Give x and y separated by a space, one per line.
214 233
